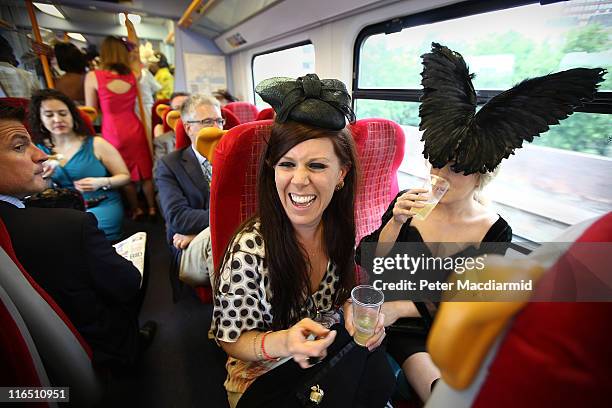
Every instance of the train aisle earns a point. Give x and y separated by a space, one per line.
182 368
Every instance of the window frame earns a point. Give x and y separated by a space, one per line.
602 103
271 51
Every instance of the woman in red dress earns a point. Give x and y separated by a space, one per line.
113 89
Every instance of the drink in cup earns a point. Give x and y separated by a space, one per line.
367 301
437 187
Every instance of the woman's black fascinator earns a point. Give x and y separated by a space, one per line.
309 100
478 142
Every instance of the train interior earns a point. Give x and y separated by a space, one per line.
550 188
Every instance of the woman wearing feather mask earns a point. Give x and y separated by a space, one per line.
465 148
294 261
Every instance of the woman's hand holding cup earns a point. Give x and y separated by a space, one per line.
406 204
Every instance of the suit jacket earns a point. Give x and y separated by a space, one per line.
184 193
184 198
68 256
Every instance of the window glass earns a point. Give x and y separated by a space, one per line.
291 62
501 47
539 190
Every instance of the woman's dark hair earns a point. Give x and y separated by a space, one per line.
224 94
40 134
163 61
70 58
283 251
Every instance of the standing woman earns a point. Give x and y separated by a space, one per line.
163 76
293 259
89 164
113 88
72 61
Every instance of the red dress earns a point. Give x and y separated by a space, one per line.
121 127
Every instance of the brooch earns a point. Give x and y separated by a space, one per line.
316 394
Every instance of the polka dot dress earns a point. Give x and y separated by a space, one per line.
243 300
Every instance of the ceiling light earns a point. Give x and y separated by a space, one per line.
49 9
134 18
77 36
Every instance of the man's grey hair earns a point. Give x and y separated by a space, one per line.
195 100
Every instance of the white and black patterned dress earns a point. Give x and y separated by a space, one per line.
242 302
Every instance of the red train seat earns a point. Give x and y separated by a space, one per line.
66 355
244 111
380 148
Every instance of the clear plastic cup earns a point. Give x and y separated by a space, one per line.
437 187
367 301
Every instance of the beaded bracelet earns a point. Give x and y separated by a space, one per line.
263 349
256 351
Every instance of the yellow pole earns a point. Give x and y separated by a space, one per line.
135 60
195 7
38 38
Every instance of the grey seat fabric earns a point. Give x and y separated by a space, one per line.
64 358
8 304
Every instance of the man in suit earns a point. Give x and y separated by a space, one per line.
183 179
66 254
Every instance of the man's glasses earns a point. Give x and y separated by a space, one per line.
208 122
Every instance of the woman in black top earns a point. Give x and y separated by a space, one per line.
459 217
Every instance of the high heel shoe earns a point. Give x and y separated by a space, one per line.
137 214
152 215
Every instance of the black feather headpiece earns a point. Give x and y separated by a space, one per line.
478 142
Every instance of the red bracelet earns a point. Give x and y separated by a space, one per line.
263 349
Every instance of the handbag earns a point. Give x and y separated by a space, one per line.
90 203
57 198
350 376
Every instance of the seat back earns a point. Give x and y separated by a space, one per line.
182 140
207 140
265 114
85 115
231 120
380 148
21 364
171 118
66 355
90 111
233 196
155 118
550 354
244 111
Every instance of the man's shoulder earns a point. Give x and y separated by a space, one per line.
175 156
47 216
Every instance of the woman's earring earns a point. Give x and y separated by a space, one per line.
339 185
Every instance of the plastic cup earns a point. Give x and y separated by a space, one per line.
437 187
367 301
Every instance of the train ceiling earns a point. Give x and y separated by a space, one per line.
100 18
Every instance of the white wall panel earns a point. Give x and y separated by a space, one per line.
333 41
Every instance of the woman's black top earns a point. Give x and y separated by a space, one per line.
408 337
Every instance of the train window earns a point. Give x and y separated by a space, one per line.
560 179
293 61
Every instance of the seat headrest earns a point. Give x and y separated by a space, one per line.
207 140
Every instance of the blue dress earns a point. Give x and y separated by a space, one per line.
84 163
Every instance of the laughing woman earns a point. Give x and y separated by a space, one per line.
293 259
